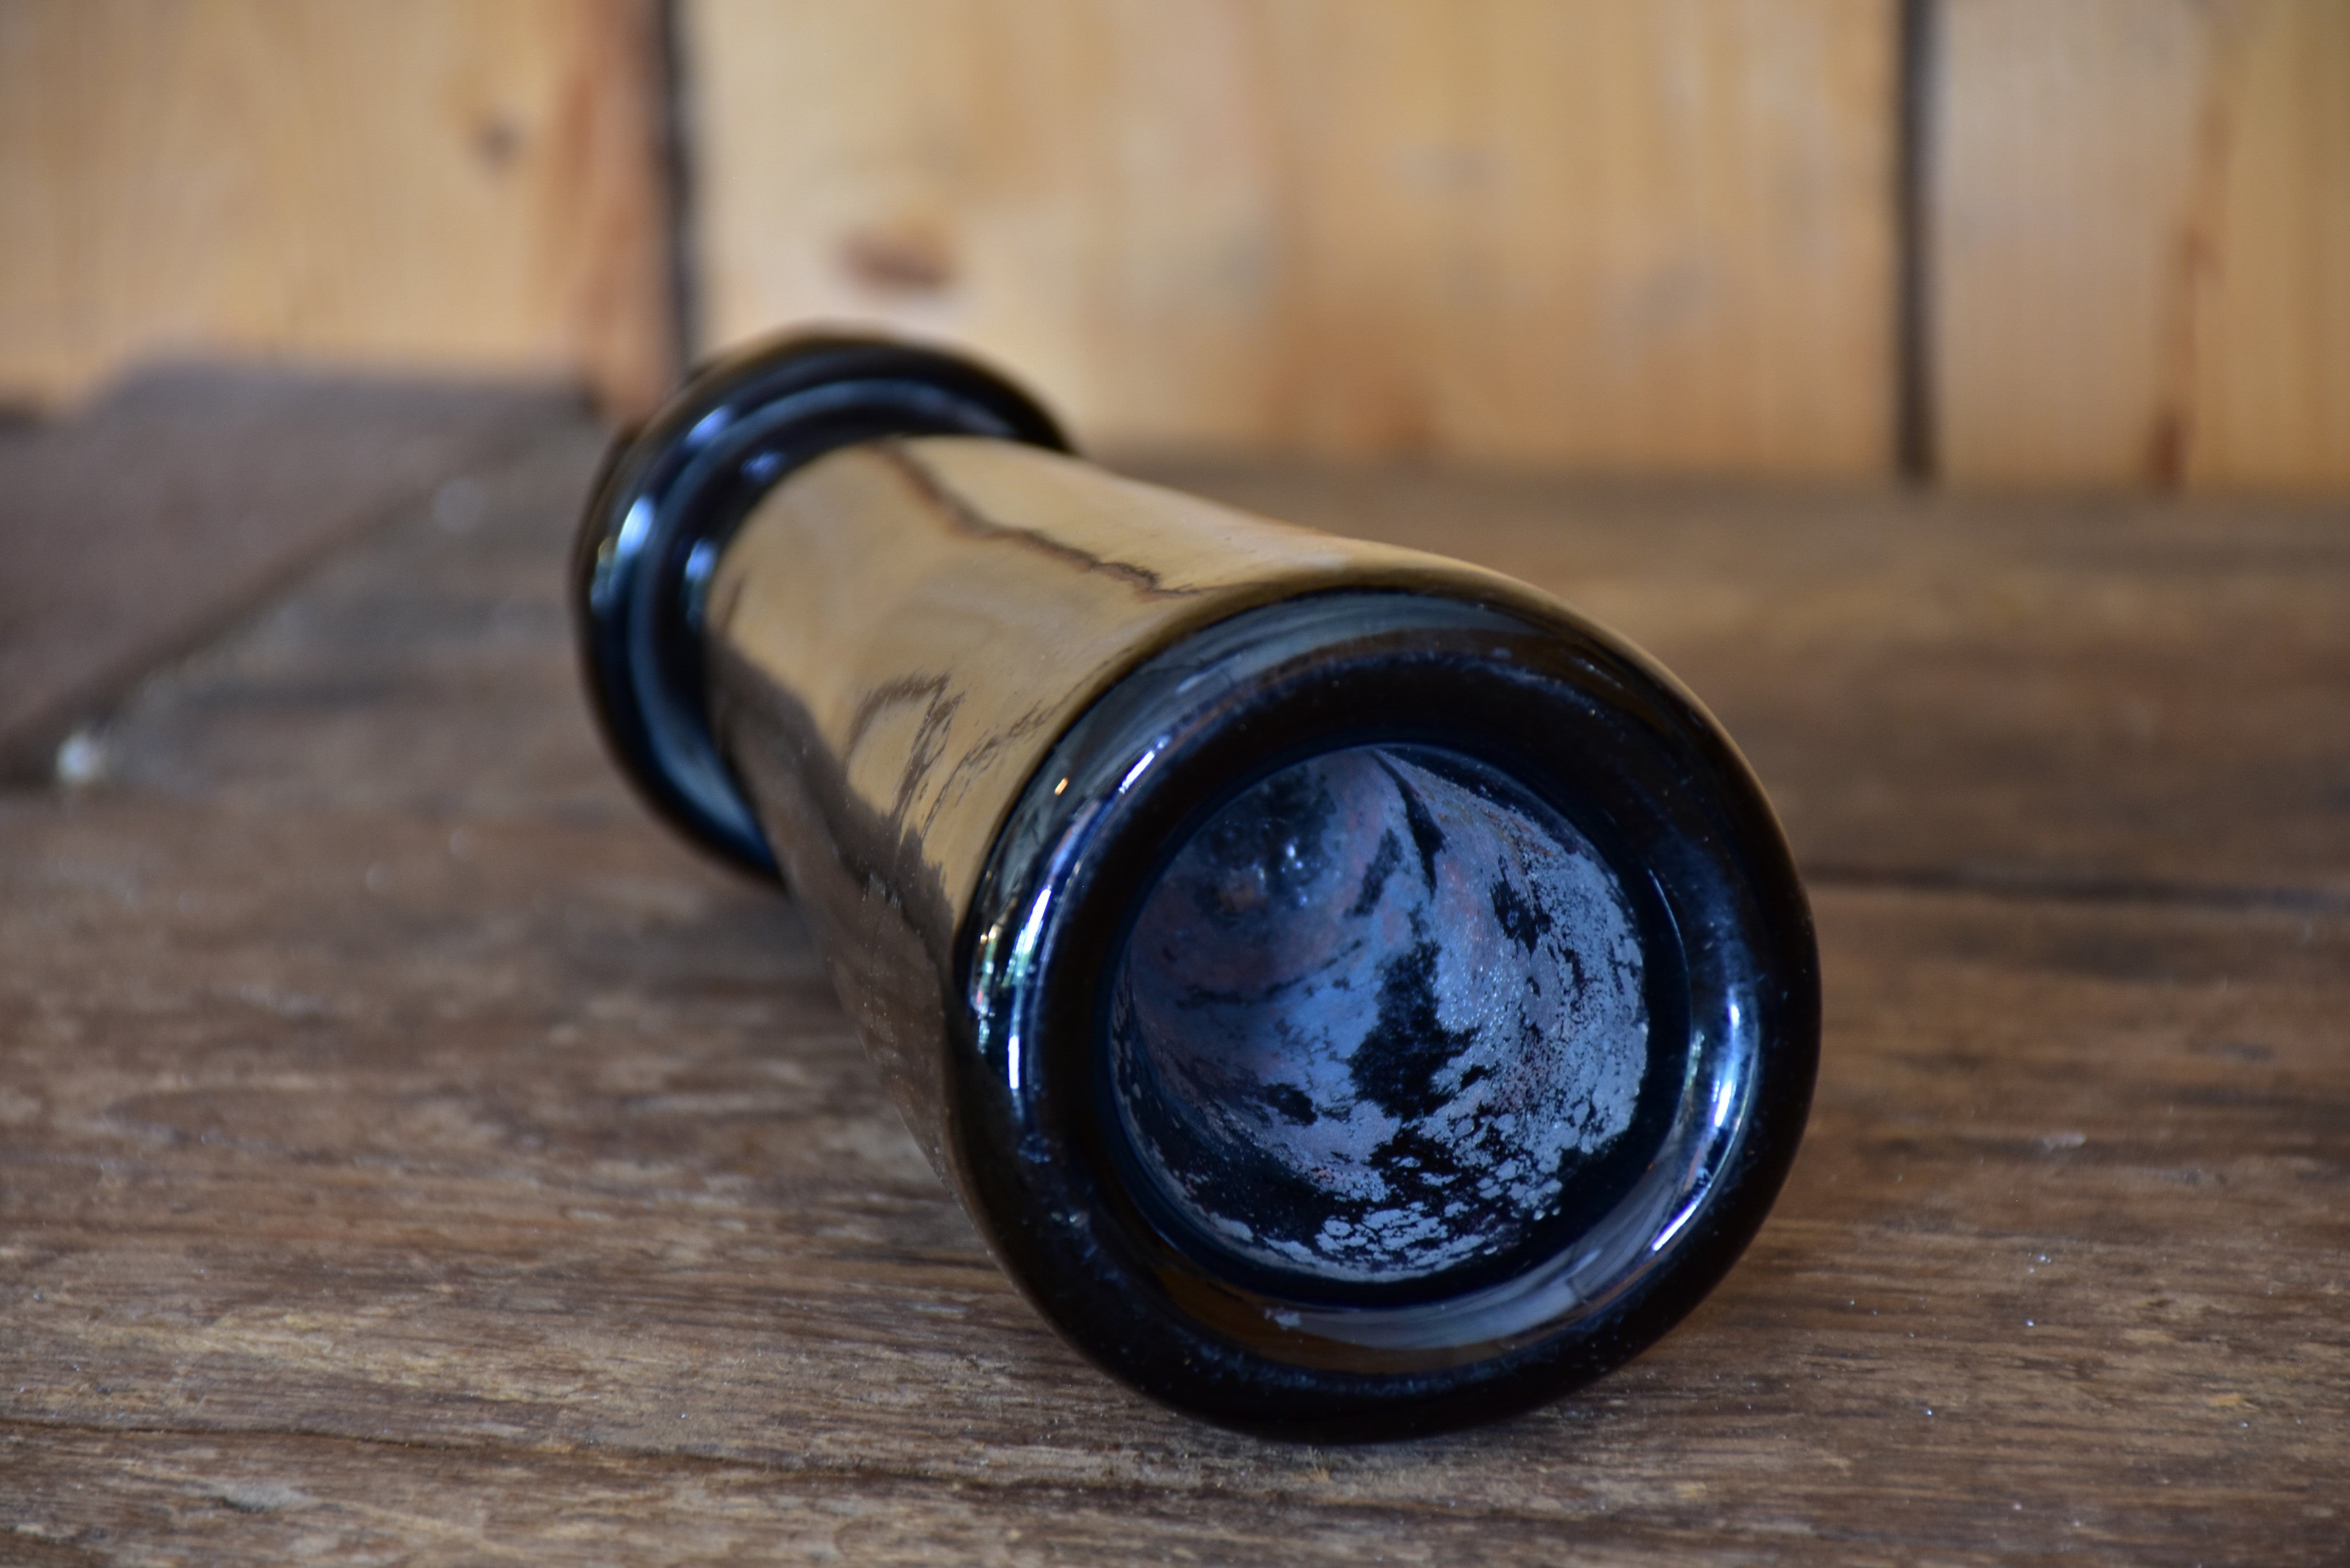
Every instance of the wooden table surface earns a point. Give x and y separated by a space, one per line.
411 1152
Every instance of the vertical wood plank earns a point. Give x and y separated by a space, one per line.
2062 150
1654 237
2141 251
451 183
2270 355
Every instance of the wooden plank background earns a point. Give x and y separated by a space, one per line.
1586 232
2141 242
460 184
1582 233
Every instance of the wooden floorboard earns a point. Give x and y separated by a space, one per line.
151 521
410 1152
564 1147
2108 694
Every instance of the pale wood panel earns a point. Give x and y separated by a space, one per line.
1618 236
2271 351
2141 242
454 184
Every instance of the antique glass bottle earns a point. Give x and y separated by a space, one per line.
1352 994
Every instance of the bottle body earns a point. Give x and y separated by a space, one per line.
1352 995
899 634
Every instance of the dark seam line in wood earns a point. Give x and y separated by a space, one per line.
2057 888
631 1457
1916 45
964 1270
967 519
27 764
633 1460
674 85
871 1200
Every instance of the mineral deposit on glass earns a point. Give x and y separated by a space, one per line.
1376 1014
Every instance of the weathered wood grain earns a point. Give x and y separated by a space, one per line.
147 524
1626 237
549 1139
431 671
218 1496
2139 248
458 185
408 1151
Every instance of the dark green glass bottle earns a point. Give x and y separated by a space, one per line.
1352 994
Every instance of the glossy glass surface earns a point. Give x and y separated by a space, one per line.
1526 745
1376 1015
989 706
669 501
